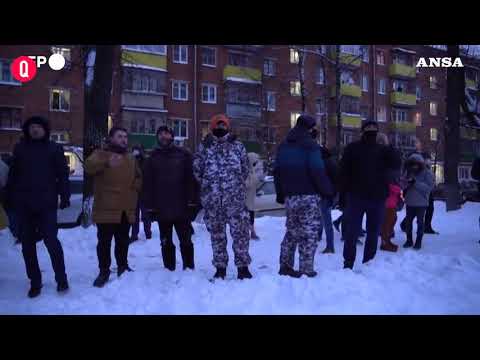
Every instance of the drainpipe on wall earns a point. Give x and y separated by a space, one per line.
195 73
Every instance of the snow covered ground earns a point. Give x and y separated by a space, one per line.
443 278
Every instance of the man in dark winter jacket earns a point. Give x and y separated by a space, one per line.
326 203
300 182
364 176
168 192
141 215
38 177
221 167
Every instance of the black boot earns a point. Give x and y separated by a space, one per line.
168 255
244 273
310 274
221 273
102 278
418 244
62 286
288 271
187 256
408 244
34 291
122 269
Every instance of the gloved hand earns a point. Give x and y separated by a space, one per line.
64 203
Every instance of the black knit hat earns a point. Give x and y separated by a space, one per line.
369 123
306 121
166 129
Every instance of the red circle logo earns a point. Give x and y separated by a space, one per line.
23 69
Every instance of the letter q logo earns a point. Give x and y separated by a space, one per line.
23 69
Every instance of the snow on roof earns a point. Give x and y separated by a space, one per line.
404 50
242 80
146 67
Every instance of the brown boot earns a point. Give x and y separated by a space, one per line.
388 246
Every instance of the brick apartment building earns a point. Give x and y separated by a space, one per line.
258 87
56 95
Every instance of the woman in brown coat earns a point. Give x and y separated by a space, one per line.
117 182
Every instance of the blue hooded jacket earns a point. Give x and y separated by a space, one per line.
299 168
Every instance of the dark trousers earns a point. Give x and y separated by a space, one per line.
31 225
184 233
353 216
412 213
105 233
252 217
147 224
429 213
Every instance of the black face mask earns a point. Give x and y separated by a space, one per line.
370 137
220 132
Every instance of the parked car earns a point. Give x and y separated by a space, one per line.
68 217
266 199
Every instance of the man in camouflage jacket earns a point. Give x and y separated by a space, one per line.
221 167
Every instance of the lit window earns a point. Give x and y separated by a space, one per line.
382 113
433 134
293 118
294 57
180 54
295 88
209 94
433 108
59 100
380 57
418 119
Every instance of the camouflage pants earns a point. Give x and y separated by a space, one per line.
216 220
303 227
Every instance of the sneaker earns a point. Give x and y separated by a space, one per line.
288 271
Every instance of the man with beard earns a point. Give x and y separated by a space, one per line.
168 192
117 182
38 177
365 171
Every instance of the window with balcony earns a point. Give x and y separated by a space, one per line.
399 115
209 93
351 49
10 118
294 56
320 75
144 81
243 94
418 92
399 86
350 105
381 86
380 57
401 58
433 134
346 77
418 118
433 82
295 88
59 100
433 108
270 100
209 57
154 49
180 129
180 54
293 118
364 83
6 74
238 59
269 67
179 90
381 114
